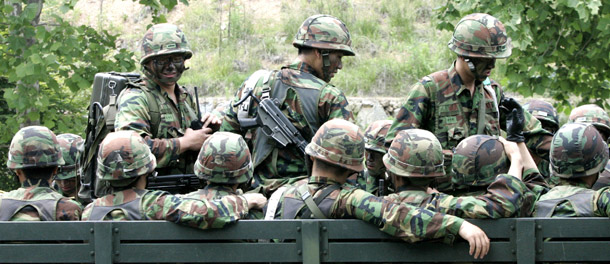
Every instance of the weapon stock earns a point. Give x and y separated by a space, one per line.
176 183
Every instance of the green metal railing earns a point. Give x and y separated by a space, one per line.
523 240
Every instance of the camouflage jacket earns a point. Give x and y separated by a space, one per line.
503 198
134 114
66 209
405 221
216 192
575 201
285 163
441 104
159 205
604 178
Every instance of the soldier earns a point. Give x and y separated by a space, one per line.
375 148
225 163
415 158
447 103
125 161
305 97
68 175
33 157
593 114
547 115
578 155
165 123
337 151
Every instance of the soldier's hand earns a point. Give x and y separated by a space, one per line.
193 139
479 243
255 200
211 121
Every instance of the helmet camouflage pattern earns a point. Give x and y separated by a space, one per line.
577 150
124 155
543 111
480 36
338 142
374 136
224 158
477 160
591 114
324 32
162 39
34 147
71 146
415 153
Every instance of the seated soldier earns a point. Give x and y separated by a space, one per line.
225 163
33 156
125 161
67 178
415 158
374 149
578 155
336 152
547 115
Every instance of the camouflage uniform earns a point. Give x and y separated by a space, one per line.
71 146
224 160
306 100
443 105
547 115
341 143
134 109
577 151
123 159
374 142
417 155
36 147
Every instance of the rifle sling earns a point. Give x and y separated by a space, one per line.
311 204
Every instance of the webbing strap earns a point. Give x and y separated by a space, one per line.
311 205
274 201
481 117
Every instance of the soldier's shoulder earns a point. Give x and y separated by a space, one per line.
66 203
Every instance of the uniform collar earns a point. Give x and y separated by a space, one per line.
35 183
321 180
299 65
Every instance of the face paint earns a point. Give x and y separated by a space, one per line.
481 67
168 69
331 63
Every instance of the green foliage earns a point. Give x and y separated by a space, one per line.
560 47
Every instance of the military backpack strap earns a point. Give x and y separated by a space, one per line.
153 110
482 111
312 207
274 201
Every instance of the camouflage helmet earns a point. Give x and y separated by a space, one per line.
374 136
477 160
224 158
34 147
162 39
480 36
71 146
543 111
415 153
577 150
324 32
338 142
591 114
123 157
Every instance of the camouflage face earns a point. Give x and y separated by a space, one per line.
577 150
480 36
71 146
477 161
374 136
415 153
545 112
338 142
324 32
124 155
34 147
224 158
591 114
163 39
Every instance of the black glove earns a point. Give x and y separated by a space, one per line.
508 104
515 120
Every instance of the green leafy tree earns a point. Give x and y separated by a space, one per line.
560 46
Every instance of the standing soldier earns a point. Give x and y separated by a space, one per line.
336 152
125 161
448 103
67 177
305 97
225 163
164 123
34 156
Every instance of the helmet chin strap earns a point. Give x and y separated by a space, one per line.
473 69
326 65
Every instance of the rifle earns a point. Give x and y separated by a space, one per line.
175 183
273 122
197 124
381 188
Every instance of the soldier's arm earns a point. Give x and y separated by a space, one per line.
333 104
68 210
602 203
412 112
133 115
202 214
